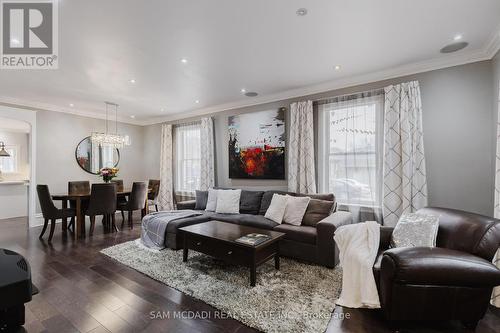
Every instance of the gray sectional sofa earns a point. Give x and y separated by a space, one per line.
312 241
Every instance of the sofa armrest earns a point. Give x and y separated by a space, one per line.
385 238
437 266
184 205
327 251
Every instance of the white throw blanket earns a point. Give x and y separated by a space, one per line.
358 245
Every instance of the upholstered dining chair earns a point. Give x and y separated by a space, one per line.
50 211
78 187
136 201
119 184
102 202
154 189
121 199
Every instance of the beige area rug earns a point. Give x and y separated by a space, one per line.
297 298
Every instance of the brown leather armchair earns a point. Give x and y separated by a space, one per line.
452 281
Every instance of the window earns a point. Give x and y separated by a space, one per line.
187 158
351 149
9 164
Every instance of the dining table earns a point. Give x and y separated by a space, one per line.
78 198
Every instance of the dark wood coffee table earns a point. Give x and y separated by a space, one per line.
217 239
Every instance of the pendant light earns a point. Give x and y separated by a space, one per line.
3 152
108 139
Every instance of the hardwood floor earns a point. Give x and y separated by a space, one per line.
84 291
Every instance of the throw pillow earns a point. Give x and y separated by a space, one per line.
415 230
277 208
250 202
228 201
211 200
316 211
201 200
295 209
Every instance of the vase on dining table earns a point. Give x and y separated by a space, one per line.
107 174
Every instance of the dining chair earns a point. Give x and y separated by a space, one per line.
154 189
102 202
119 184
78 187
136 201
50 211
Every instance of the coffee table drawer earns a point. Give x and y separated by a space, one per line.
220 249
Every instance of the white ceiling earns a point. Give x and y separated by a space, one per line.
259 45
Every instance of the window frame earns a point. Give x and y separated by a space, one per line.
324 146
179 162
16 149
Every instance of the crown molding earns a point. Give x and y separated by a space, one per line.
36 106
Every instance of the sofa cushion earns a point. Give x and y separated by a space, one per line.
256 221
321 196
172 226
228 201
201 200
316 211
298 233
250 202
267 197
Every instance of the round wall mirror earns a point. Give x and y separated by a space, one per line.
93 158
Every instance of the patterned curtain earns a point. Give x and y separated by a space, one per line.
405 185
166 193
301 168
207 177
495 298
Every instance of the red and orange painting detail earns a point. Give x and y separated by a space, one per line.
257 145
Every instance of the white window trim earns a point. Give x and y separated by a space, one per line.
177 163
324 149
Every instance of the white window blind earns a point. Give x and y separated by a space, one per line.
187 156
351 148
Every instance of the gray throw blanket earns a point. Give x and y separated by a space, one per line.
154 226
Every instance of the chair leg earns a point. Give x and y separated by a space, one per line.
52 228
45 224
130 221
92 225
123 217
156 207
71 224
113 223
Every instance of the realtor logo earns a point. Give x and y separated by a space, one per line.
29 34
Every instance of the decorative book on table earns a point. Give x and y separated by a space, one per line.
253 239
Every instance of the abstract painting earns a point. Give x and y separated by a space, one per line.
257 145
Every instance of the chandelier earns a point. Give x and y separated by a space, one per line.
108 139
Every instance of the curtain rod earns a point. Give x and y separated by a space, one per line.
355 95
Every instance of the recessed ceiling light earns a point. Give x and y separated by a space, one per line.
301 12
162 109
243 90
184 60
457 37
197 101
71 104
251 94
132 81
337 67
454 47
132 116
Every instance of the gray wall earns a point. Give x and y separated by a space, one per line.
458 132
58 134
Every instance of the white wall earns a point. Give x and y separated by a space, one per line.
458 135
58 136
